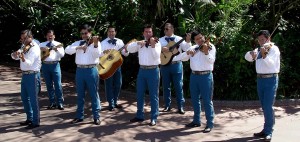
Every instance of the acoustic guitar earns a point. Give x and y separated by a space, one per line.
110 62
167 57
45 54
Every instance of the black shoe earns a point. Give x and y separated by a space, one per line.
152 123
111 108
207 129
27 122
76 120
97 121
192 124
166 109
181 111
136 120
268 138
260 134
60 107
51 106
31 126
118 106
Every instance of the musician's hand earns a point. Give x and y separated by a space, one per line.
95 40
54 48
106 51
141 43
253 54
21 55
188 38
152 42
191 52
44 48
15 54
263 52
165 49
205 48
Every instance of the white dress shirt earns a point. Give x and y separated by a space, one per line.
32 58
147 55
54 55
119 44
183 46
271 64
90 56
200 61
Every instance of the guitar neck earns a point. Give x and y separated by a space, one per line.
176 44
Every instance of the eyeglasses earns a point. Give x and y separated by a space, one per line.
84 33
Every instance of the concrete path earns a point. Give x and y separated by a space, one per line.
233 123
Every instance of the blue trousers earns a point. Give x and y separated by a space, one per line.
52 76
87 79
266 88
172 73
113 87
201 86
148 79
30 85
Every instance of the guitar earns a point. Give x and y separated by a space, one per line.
167 57
110 62
45 54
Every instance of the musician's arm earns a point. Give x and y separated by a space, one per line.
60 51
33 53
211 56
156 51
133 47
71 49
121 44
96 50
272 57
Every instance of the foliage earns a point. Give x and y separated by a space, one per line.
230 25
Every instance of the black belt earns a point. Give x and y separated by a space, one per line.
86 66
149 67
50 62
175 62
201 72
29 72
267 75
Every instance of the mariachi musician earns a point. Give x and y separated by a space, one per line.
113 84
87 51
53 52
148 78
172 72
30 64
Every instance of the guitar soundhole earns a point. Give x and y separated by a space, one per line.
110 57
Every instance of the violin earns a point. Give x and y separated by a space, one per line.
156 39
88 41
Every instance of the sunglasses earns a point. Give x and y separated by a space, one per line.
166 29
84 33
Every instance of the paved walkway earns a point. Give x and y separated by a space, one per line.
232 124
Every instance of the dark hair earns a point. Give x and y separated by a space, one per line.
111 26
146 26
194 34
86 27
266 33
50 31
28 33
169 24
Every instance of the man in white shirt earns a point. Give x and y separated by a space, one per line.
51 69
173 72
113 84
267 64
87 51
148 77
202 58
30 64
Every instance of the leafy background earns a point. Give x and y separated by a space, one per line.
229 24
